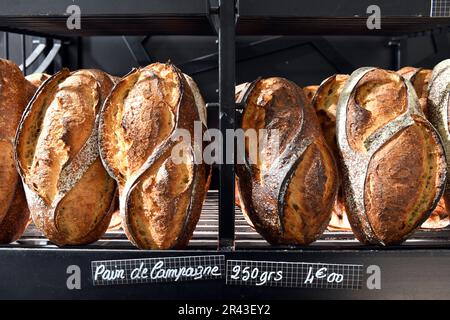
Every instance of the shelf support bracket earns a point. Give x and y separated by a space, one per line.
227 110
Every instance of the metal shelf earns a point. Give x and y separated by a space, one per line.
344 17
105 17
39 268
421 262
246 238
195 17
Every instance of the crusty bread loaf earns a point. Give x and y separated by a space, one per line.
393 160
310 92
420 79
287 193
36 79
15 92
160 200
116 219
439 217
69 193
324 102
438 111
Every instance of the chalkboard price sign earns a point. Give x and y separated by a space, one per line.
294 274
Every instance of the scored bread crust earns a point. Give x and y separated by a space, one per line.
288 195
393 161
438 111
69 193
160 200
310 92
15 91
420 79
324 102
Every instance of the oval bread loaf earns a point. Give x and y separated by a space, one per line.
15 92
420 79
288 191
438 111
324 102
69 193
160 198
393 160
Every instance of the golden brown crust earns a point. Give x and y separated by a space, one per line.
287 193
36 79
160 200
324 103
310 92
439 217
438 111
339 220
420 79
15 91
379 98
116 219
400 183
393 160
69 192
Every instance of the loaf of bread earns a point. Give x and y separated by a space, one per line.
36 79
439 217
70 194
288 191
438 111
116 219
324 102
15 92
420 79
160 198
310 92
393 161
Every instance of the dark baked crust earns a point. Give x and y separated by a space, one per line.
324 103
15 91
393 160
160 201
69 192
438 111
288 195
420 79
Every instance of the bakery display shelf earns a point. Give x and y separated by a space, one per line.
344 17
246 238
403 268
104 17
42 273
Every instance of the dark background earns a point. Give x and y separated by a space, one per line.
301 62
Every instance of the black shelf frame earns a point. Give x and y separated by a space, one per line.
425 262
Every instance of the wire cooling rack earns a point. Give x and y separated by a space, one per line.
206 234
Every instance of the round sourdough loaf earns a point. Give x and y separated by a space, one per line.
289 190
160 199
393 161
69 193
